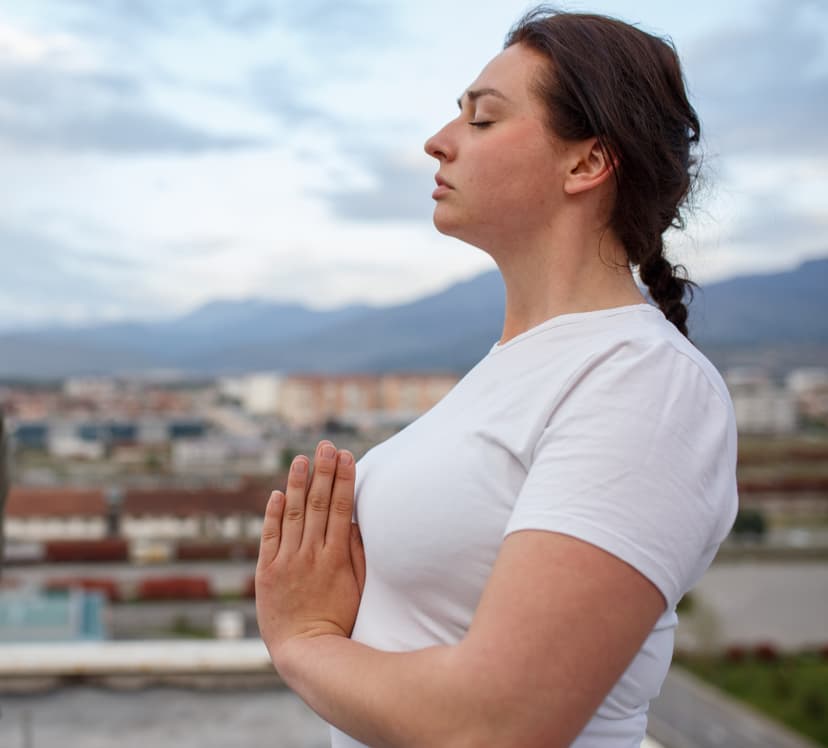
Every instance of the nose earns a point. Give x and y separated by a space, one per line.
440 146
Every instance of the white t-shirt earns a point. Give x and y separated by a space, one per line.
608 426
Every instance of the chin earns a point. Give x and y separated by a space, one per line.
459 231
445 223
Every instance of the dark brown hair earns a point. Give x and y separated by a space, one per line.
625 87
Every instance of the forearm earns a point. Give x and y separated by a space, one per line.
385 699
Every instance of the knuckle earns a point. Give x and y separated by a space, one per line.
274 505
325 467
318 503
342 506
345 472
345 480
295 514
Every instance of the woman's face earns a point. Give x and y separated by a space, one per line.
501 170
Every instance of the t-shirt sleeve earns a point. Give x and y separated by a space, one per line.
638 458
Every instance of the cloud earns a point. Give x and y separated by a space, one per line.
763 87
201 246
779 227
44 279
346 21
400 190
44 105
275 88
318 20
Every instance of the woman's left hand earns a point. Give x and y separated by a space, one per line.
311 566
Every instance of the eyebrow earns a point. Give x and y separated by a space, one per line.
475 94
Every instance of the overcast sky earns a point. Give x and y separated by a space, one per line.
159 154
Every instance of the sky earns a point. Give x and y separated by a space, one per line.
157 155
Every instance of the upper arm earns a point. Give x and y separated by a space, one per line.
558 623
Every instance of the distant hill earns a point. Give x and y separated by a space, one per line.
790 307
449 330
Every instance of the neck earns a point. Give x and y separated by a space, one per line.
551 276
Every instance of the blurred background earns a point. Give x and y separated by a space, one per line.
216 248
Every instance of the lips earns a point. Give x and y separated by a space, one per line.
443 188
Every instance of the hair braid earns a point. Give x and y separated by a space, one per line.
667 285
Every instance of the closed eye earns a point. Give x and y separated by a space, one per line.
481 124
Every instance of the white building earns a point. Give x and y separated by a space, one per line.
93 388
65 441
258 393
810 388
38 514
193 514
215 455
261 393
761 407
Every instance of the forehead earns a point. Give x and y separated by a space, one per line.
511 72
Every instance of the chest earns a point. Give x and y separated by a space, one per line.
433 501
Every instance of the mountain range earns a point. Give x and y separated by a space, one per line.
447 331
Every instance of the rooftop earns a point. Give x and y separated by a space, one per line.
26 501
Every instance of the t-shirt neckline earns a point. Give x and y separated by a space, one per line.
572 318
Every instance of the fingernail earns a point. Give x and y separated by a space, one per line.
327 451
300 466
345 458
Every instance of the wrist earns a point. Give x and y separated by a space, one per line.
297 653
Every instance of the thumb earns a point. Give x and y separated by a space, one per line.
358 556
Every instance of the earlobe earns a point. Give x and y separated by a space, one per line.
593 167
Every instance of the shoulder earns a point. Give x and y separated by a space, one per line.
638 455
642 354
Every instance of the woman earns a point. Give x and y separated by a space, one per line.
527 540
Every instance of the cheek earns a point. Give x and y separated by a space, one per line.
521 151
517 176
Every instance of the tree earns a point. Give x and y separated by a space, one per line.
751 523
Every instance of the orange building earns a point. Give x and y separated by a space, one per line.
363 400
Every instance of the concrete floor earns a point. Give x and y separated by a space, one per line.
84 717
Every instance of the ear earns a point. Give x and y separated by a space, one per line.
591 167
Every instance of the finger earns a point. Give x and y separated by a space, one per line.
294 513
338 534
271 529
319 494
358 556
